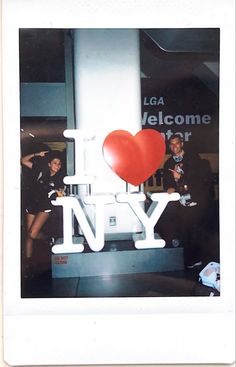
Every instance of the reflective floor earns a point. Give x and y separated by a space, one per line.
159 284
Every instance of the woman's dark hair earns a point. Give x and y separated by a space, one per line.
52 155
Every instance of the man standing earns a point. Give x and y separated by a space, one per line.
190 176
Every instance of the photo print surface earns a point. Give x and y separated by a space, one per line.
120 162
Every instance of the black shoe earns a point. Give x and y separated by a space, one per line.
194 264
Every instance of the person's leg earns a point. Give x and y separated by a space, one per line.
192 240
29 241
36 226
28 249
168 226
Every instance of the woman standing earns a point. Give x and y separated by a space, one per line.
46 184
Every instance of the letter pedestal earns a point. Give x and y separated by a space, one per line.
118 257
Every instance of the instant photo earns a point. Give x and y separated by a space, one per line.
118 125
110 101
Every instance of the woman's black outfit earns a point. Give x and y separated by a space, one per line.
41 187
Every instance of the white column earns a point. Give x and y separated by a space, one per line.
107 97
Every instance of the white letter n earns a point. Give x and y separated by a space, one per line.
71 204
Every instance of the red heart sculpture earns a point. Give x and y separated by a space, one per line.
134 158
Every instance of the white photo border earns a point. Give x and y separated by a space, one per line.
124 330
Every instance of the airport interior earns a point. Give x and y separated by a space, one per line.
97 81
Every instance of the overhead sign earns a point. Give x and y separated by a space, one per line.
185 107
